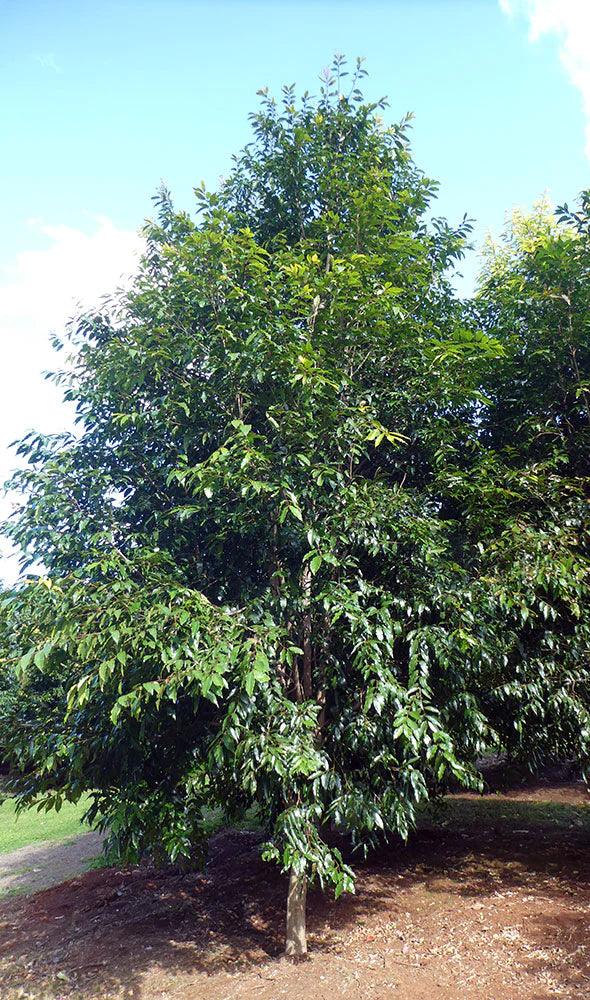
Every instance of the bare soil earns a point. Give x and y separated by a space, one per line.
47 863
484 912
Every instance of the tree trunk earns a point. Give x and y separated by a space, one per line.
296 943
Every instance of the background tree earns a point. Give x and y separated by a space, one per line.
530 499
284 567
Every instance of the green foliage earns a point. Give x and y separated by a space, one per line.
300 557
534 519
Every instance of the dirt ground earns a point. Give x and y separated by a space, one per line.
492 912
40 865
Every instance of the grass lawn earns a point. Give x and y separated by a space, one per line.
496 811
31 826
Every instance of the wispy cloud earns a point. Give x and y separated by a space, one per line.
39 291
569 20
47 60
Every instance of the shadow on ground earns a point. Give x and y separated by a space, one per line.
471 911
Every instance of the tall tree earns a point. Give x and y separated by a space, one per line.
530 498
266 584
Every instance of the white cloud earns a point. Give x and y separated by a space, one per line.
39 291
569 20
47 60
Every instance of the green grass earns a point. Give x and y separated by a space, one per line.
31 826
456 812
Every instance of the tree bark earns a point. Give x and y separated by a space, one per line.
296 941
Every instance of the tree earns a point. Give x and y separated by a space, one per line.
535 288
266 586
531 498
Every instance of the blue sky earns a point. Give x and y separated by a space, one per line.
101 100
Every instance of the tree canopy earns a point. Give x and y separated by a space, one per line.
320 540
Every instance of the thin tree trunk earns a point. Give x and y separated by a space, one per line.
296 942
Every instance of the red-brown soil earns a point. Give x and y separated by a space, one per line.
475 913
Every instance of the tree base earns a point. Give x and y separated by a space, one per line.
296 939
295 959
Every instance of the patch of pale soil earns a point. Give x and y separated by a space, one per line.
572 793
40 865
